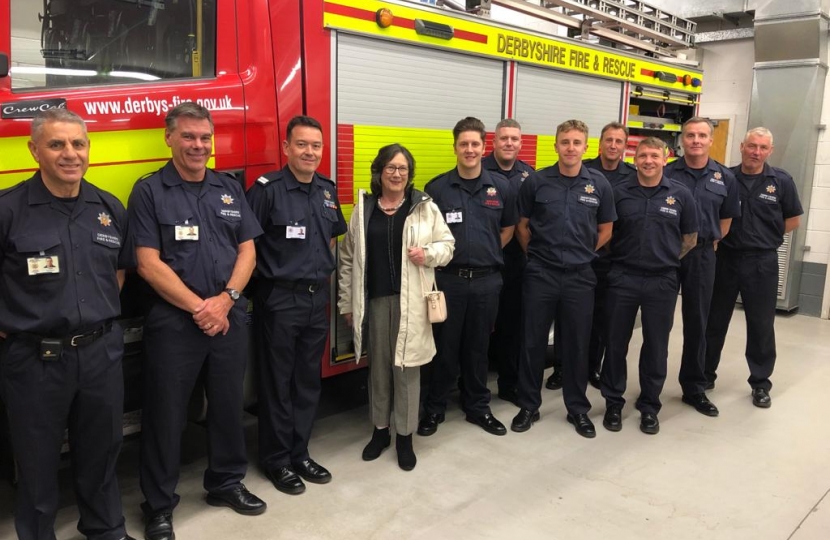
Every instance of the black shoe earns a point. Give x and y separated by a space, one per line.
760 398
429 424
509 394
593 379
159 527
286 480
238 499
710 385
524 420
311 471
554 382
612 421
406 456
488 423
649 423
701 404
381 439
583 425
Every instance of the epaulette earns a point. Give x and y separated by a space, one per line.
148 175
12 189
269 178
434 179
325 178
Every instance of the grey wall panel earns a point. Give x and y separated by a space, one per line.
389 84
546 98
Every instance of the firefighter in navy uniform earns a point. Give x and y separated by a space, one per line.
61 247
656 227
566 214
480 210
716 196
301 215
612 144
505 341
747 262
193 234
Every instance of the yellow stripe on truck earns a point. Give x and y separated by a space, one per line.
117 159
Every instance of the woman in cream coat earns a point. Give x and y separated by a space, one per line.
392 232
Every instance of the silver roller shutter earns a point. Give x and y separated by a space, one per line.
382 83
545 98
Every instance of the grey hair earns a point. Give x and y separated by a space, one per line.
759 131
56 115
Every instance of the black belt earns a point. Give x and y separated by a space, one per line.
469 272
78 340
646 273
306 285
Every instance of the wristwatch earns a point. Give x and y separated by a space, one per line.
233 293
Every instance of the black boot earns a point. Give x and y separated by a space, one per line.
406 457
380 441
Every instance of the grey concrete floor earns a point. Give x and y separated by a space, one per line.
748 474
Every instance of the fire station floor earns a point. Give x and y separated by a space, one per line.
748 474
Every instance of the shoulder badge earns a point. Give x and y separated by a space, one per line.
263 180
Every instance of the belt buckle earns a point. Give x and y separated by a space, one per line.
72 342
466 273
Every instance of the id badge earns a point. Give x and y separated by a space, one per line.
43 265
295 231
187 233
454 217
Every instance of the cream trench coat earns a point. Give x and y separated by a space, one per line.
424 227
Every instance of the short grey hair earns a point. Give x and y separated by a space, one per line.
508 123
699 120
188 109
56 115
760 132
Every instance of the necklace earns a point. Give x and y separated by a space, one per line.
393 208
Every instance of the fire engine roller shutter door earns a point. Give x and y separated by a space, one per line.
381 83
545 98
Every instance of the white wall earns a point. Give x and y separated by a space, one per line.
727 88
818 222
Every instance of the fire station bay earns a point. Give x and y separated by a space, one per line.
429 269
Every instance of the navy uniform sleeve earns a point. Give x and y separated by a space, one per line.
527 193
340 227
143 226
430 188
731 207
607 209
249 227
259 203
688 218
790 203
126 257
510 213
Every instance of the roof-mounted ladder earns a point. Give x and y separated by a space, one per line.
627 23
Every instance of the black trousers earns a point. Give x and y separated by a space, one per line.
755 276
568 296
462 341
176 352
83 391
506 339
292 329
597 344
656 297
697 277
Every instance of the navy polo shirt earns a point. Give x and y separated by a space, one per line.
623 172
309 213
476 212
516 175
85 241
716 194
765 204
651 222
564 213
216 216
